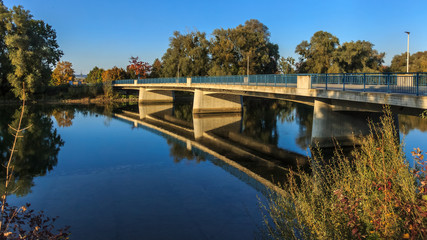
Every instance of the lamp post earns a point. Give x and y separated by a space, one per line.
407 55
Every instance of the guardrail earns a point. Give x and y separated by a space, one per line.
405 83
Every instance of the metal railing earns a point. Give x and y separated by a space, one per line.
404 83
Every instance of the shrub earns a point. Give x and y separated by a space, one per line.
372 194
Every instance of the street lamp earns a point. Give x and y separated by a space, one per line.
407 55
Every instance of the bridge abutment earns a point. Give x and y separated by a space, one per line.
213 102
155 96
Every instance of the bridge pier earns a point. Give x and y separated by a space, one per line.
213 102
157 96
343 126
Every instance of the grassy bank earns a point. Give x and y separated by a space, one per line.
371 194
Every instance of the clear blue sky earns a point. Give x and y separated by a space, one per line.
106 33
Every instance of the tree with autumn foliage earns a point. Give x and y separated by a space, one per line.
114 73
63 73
138 68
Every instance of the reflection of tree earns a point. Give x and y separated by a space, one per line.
260 118
64 118
37 151
180 152
304 116
183 111
408 123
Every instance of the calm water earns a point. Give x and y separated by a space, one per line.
157 171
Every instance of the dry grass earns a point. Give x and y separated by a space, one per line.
374 194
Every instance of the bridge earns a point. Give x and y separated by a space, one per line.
223 94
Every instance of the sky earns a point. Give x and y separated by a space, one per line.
107 33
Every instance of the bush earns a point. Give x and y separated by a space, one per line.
373 194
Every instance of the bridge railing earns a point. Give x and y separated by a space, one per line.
406 83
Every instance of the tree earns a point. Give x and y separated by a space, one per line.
139 68
317 55
417 62
232 49
187 55
286 65
156 70
357 56
95 75
32 50
5 66
63 73
114 74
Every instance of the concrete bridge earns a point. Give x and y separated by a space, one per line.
224 94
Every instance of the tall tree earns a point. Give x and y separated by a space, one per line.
5 66
187 55
317 55
286 65
156 70
95 75
233 49
138 68
357 56
114 73
417 62
63 73
32 49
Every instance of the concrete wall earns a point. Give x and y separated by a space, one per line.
213 102
150 95
303 82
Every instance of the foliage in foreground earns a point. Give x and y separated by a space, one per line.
372 195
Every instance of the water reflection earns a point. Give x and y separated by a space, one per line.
37 151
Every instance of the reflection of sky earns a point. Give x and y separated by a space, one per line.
288 133
117 182
414 139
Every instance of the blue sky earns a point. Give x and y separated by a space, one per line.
106 33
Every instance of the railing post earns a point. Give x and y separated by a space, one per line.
417 82
364 82
275 76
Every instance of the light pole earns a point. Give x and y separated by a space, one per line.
407 55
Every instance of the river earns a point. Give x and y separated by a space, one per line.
156 171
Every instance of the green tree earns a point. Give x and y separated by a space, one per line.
95 75
417 62
32 49
286 65
156 70
187 55
232 49
317 55
5 66
359 56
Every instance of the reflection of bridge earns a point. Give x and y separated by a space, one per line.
260 165
223 94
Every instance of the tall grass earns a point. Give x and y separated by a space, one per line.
372 194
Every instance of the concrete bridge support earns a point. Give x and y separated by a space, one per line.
344 126
213 102
221 123
155 96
